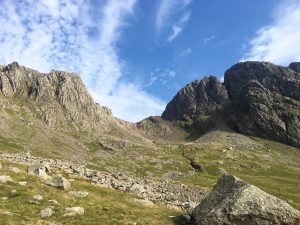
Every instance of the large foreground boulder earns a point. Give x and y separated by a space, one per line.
233 201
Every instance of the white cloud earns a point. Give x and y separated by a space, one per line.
134 104
164 11
278 42
75 36
152 80
178 26
162 75
186 52
172 73
165 16
208 39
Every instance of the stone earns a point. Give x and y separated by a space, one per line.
4 179
48 212
58 181
78 194
137 188
14 169
73 211
37 198
233 201
22 183
53 201
38 169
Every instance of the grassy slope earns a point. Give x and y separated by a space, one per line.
269 165
102 206
275 168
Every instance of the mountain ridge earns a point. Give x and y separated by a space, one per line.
256 98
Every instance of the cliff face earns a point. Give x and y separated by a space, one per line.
265 100
257 98
59 98
199 98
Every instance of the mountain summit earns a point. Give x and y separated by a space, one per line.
256 98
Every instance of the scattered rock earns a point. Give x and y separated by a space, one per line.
143 188
74 211
22 183
4 179
47 212
78 194
197 166
58 181
54 202
37 198
38 169
187 218
14 169
233 201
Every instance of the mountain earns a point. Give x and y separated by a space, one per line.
53 113
256 98
59 98
204 97
50 123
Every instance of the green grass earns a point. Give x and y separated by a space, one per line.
9 145
102 206
275 170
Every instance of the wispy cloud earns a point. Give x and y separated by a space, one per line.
76 36
163 76
168 12
186 52
278 42
164 12
209 39
178 26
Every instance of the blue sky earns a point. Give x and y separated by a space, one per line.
134 55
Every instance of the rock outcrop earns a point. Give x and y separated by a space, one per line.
295 66
257 98
233 201
59 98
265 100
204 97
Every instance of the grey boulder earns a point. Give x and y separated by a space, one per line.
233 201
59 181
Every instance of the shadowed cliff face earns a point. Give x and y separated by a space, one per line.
59 98
265 100
257 98
200 98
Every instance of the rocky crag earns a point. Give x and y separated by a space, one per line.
59 98
256 98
